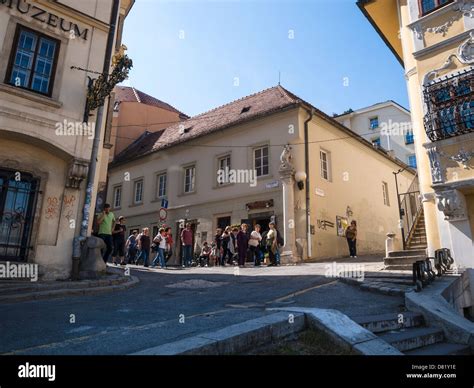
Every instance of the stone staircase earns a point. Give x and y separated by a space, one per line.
403 260
416 249
412 337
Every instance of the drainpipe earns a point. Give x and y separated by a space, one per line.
77 244
307 188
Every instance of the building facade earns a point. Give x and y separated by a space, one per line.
258 145
45 147
434 41
387 125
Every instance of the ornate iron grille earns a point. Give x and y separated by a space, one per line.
450 106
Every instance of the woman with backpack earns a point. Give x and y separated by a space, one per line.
144 246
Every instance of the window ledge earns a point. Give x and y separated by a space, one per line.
185 194
32 96
158 199
136 204
117 208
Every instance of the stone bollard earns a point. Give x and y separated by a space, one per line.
92 264
389 243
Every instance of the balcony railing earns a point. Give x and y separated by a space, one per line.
450 106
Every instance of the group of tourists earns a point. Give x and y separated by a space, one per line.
232 245
237 245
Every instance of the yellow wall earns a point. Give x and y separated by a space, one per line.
357 174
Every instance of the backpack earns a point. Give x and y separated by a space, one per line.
280 239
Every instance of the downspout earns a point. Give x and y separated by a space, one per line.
77 244
307 188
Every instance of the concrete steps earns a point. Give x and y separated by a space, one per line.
403 260
386 322
407 332
413 338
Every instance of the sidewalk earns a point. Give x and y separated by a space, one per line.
23 290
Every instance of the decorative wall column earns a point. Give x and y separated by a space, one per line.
289 253
455 229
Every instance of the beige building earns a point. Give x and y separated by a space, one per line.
329 177
385 124
44 147
434 41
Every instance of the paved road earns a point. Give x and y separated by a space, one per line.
173 304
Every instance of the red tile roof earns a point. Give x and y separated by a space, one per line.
261 104
130 94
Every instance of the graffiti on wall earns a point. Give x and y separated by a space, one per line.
52 208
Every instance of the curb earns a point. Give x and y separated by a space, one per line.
234 339
93 287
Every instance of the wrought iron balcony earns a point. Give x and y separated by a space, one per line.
450 106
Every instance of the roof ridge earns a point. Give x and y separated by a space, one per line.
234 101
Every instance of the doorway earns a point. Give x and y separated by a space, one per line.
18 192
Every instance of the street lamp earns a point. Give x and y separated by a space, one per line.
300 178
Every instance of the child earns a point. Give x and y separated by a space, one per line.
205 253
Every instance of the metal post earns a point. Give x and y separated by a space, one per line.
400 207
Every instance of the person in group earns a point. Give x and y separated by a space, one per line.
272 244
144 246
351 236
242 244
131 247
233 246
169 240
218 244
187 245
204 256
214 257
254 245
106 223
161 244
118 238
280 243
225 245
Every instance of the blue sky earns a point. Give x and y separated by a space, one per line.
335 60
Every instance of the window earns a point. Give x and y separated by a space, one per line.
386 199
161 185
325 159
189 179
33 61
224 166
409 138
138 192
412 161
245 109
260 160
427 6
117 196
376 142
374 123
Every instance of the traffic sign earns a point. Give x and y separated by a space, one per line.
164 203
163 214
